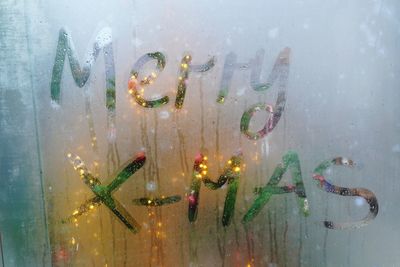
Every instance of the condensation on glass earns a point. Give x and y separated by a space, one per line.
258 133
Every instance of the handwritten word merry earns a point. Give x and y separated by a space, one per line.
136 86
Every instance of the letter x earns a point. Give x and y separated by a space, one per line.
103 193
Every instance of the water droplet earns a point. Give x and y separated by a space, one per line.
151 186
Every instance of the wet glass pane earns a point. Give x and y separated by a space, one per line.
208 133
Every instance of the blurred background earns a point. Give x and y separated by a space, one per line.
342 94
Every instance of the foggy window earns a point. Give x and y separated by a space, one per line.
199 133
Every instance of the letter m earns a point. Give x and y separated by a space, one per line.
65 47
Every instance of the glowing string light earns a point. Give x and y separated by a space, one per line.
136 88
155 202
103 194
185 69
369 196
230 175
